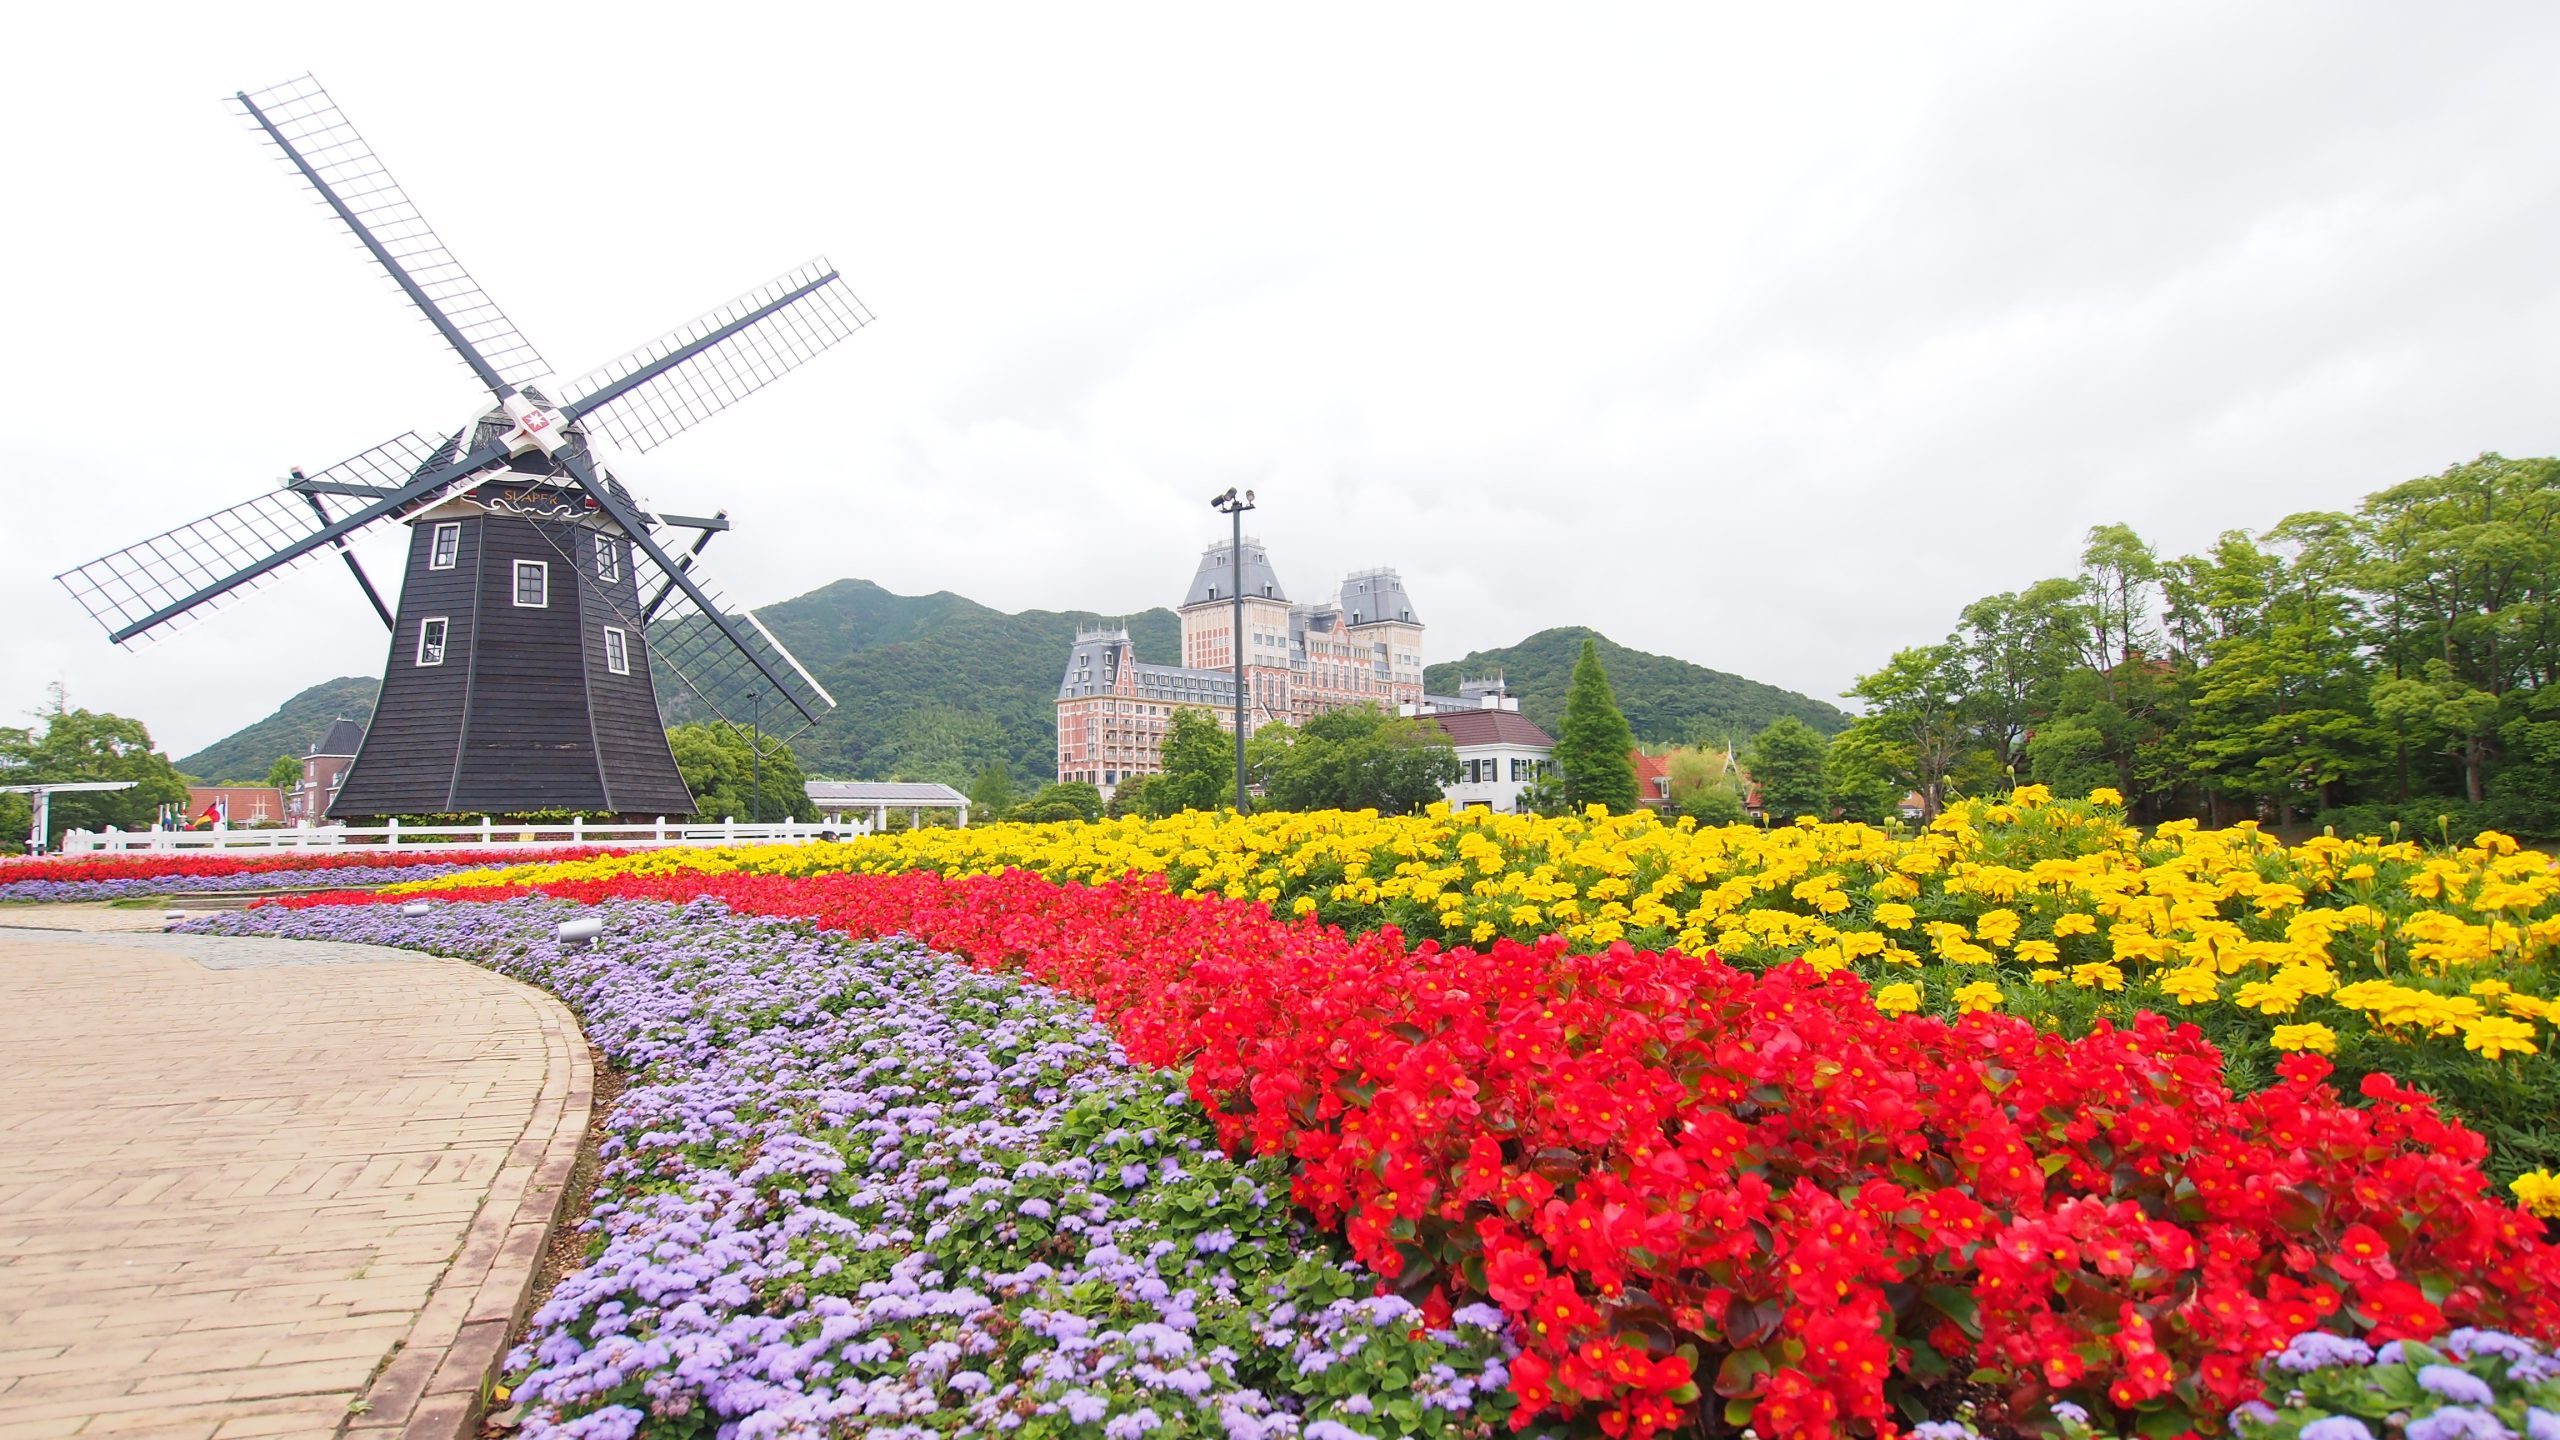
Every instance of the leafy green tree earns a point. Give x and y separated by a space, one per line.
1065 800
1915 720
2017 647
720 767
1137 795
285 773
1858 778
1594 746
991 794
1716 801
1199 763
1359 758
87 745
1786 763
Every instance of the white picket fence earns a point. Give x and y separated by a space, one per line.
487 835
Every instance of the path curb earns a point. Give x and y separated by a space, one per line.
437 1384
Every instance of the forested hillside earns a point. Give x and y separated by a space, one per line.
936 687
244 756
1666 700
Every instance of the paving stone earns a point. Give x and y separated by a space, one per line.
242 1170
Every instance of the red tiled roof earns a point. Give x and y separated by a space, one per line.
1490 727
1649 767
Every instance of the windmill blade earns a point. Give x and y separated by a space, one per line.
312 137
702 368
206 564
723 655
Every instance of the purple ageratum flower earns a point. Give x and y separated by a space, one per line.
2336 1427
2460 1386
1942 1430
1214 1242
2319 1350
2073 1414
1330 1430
2541 1424
2458 1422
2257 1411
1131 1425
1084 1408
2471 1340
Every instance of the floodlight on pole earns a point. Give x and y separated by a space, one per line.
1235 509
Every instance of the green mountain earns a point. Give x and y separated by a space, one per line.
1666 700
935 687
245 756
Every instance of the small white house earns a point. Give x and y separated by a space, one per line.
1500 754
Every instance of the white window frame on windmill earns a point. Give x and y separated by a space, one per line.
617 650
541 585
608 559
431 652
444 545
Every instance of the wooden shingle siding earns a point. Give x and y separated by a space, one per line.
523 714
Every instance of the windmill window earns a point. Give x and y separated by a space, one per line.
446 546
533 584
431 635
617 651
608 559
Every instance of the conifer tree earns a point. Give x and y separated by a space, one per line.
1594 745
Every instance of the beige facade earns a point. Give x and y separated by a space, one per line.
1362 647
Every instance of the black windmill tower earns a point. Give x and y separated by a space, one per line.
540 598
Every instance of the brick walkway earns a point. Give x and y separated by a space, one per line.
254 1187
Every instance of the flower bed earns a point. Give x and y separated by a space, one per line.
1678 1177
862 1184
2438 967
116 877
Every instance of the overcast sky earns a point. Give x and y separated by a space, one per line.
1762 336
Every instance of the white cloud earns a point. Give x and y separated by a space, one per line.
1762 338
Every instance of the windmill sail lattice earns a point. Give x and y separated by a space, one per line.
146 578
311 137
505 690
702 368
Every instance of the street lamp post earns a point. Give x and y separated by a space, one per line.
1235 509
755 753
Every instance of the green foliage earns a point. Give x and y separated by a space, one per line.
1717 802
1138 795
1858 778
1199 764
242 756
86 745
720 767
285 773
2398 1396
1666 701
1594 743
1787 764
991 794
1068 800
1915 722
1359 758
935 687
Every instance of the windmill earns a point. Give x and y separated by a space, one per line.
539 597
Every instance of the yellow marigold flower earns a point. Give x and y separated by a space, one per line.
2099 975
1997 928
2191 984
2028 797
2075 922
2311 1036
1894 915
2496 1035
2107 795
2528 1006
1303 905
2538 1191
1900 998
2044 974
1980 995
2039 952
2490 989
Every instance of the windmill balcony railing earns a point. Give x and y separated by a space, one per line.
489 834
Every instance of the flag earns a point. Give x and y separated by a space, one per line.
212 813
